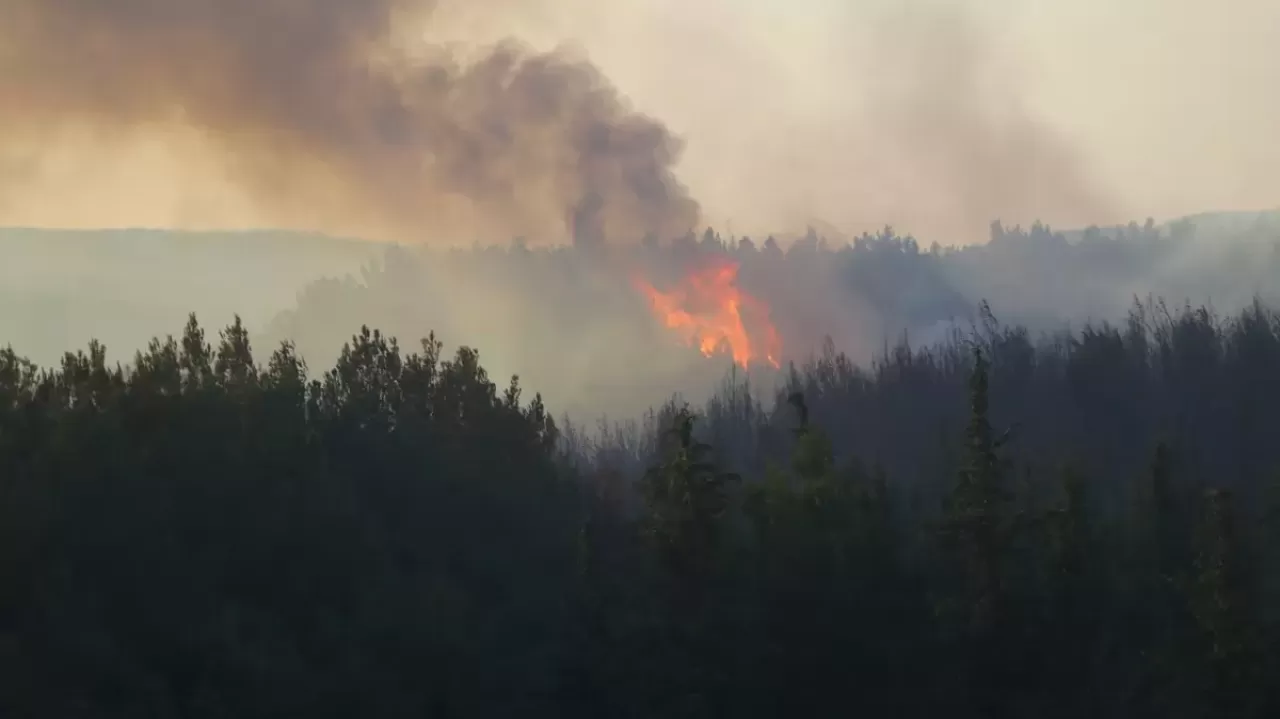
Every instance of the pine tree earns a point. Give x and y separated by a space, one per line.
979 607
979 523
686 496
1221 603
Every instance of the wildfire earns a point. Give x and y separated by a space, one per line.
707 309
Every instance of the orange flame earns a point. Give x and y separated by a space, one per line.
707 308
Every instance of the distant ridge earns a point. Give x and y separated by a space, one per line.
147 234
1209 222
268 239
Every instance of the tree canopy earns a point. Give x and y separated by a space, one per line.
994 526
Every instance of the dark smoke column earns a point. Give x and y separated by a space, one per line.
584 222
319 107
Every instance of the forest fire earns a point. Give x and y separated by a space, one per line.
708 310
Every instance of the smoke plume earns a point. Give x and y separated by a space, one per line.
328 111
967 149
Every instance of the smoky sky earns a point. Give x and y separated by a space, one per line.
424 120
329 107
971 152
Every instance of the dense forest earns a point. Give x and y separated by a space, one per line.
993 525
569 322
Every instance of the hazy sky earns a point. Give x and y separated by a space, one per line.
934 116
1173 106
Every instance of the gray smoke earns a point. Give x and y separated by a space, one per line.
955 127
321 107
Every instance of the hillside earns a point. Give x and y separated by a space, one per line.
529 308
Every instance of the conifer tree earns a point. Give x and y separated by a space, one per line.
979 522
686 497
1220 600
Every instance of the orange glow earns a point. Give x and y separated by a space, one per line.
706 309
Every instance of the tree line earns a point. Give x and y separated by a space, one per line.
534 310
988 527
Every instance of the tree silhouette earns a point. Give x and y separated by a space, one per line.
197 534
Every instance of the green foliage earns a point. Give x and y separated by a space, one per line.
686 498
198 534
1221 604
981 522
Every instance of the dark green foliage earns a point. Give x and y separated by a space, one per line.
686 497
198 534
1221 601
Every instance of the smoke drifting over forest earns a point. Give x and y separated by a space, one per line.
424 120
444 122
968 163
320 105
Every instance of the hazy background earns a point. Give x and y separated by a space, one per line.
936 116
568 321
449 123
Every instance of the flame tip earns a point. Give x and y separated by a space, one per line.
707 307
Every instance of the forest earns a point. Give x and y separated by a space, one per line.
390 359
999 523
568 321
